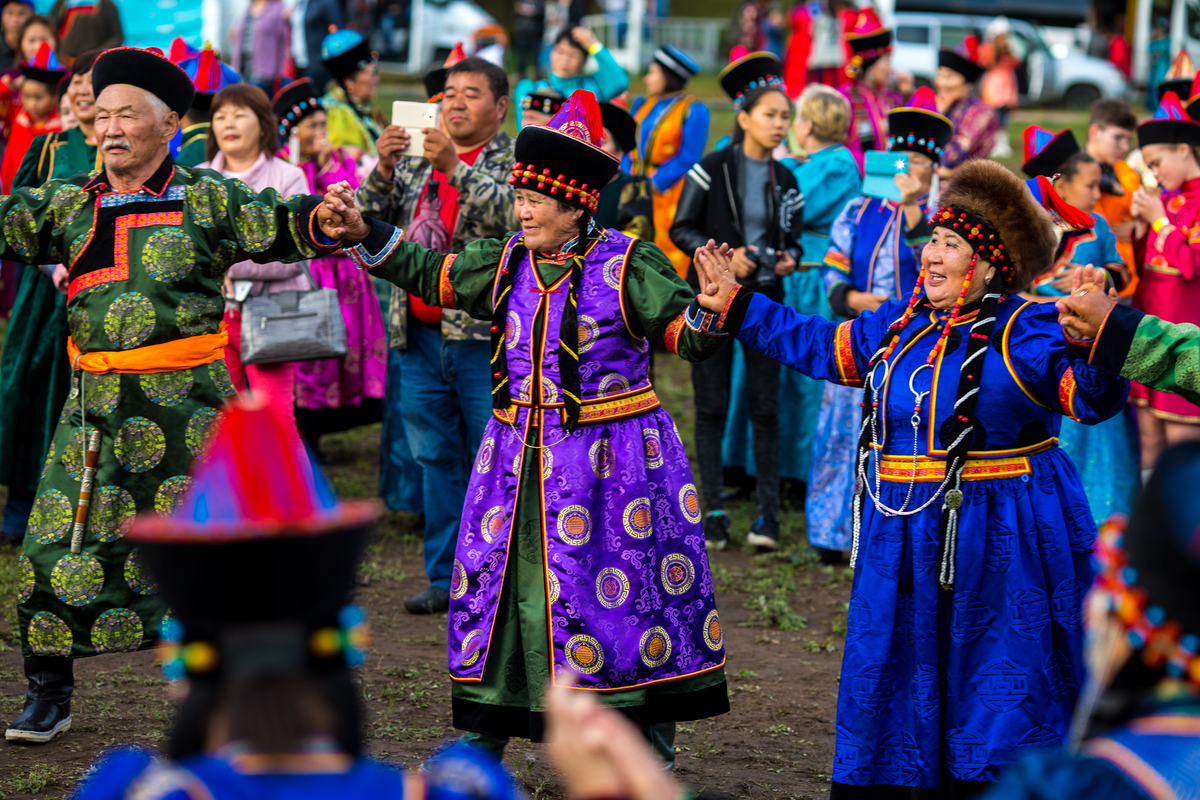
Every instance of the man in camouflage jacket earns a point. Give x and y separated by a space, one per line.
442 359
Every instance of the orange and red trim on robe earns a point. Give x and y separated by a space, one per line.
674 331
445 288
843 352
838 261
1067 390
120 269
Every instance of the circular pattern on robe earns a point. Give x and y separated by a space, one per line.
689 503
222 258
256 226
549 390
602 458
46 465
20 230
167 388
612 587
547 457
140 444
137 576
584 654
712 631
65 206
677 573
77 578
74 452
614 384
588 331
51 517
198 434
655 647
197 313
27 579
512 329
612 271
118 630
492 524
102 393
206 202
652 443
112 513
219 374
471 647
75 249
79 324
555 587
638 519
458 580
48 635
168 255
170 494
574 525
486 456
129 320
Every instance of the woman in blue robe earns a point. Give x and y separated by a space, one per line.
1107 455
972 534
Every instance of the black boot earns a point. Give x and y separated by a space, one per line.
47 702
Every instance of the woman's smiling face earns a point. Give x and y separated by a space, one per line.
946 261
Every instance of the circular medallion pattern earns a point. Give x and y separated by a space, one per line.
129 320
612 587
20 230
512 329
140 444
584 654
170 494
137 576
678 573
198 314
712 630
602 458
77 578
614 384
638 518
574 525
588 332
256 226
219 374
652 443
48 635
472 646
198 434
612 271
167 388
655 647
458 580
25 589
65 206
102 393
74 454
555 587
168 255
118 630
492 524
51 517
486 456
689 503
112 513
79 324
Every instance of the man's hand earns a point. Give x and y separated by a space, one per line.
743 267
786 265
910 188
1083 311
61 278
339 217
863 301
714 267
389 146
439 149
584 36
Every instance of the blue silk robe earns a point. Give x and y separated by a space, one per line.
966 679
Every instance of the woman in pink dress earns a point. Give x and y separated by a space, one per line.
333 395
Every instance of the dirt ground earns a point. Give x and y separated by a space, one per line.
784 620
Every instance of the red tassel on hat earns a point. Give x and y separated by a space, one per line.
1070 216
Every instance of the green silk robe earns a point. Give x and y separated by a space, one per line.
192 152
146 269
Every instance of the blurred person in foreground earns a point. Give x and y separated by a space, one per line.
270 708
84 25
578 450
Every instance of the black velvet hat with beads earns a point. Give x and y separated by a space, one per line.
293 103
563 159
918 127
749 73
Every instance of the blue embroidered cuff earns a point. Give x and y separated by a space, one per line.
702 321
380 243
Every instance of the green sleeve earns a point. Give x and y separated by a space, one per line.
656 299
263 226
1166 357
458 280
29 221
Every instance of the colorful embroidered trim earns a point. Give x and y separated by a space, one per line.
1163 642
609 410
506 415
445 288
765 82
316 236
1067 389
359 255
843 352
728 305
120 269
674 331
524 172
899 469
143 196
838 261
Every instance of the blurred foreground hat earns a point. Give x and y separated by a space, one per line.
293 103
209 75
1179 76
963 59
1045 152
435 79
345 52
44 67
620 124
869 41
677 62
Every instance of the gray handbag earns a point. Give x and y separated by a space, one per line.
293 326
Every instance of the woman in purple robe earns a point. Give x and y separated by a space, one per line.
581 551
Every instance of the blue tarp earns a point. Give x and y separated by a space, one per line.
154 23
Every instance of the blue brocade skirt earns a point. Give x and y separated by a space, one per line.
969 679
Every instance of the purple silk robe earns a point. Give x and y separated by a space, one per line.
629 593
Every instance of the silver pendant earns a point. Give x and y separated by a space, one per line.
954 499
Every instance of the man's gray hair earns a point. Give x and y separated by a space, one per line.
160 108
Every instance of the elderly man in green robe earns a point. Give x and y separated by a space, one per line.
146 244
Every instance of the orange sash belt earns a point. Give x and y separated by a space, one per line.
194 351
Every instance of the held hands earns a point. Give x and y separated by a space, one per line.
1083 311
1147 205
339 217
714 267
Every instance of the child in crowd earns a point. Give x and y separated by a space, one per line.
1110 136
37 112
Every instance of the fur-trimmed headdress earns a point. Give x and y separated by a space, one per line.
997 203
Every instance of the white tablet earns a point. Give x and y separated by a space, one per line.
414 117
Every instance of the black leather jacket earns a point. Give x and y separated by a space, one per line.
710 207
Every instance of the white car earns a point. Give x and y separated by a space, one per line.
1073 80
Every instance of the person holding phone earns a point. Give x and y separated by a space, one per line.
742 196
874 256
